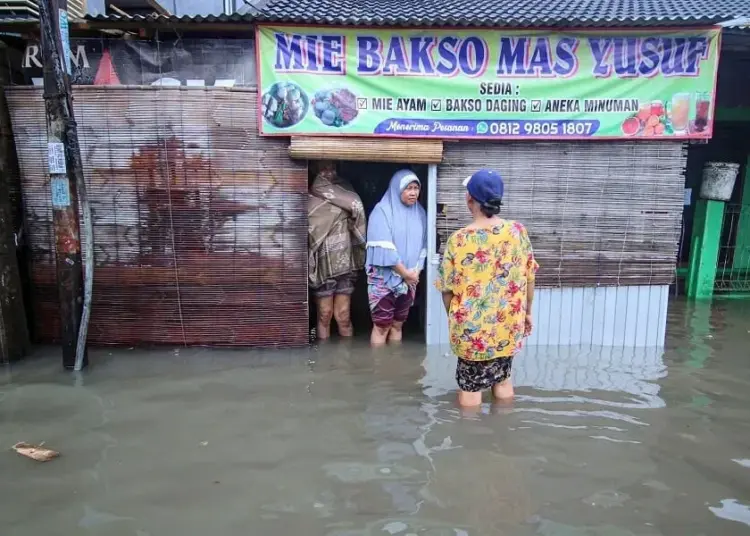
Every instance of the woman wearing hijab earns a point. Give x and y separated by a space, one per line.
396 242
487 279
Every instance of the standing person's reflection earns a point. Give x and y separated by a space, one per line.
396 241
336 239
487 279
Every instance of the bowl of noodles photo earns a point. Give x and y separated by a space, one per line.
284 105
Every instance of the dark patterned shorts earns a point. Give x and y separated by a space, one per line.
475 376
342 285
392 309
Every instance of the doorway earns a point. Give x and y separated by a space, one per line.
370 180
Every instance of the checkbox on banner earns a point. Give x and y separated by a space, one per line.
361 104
536 106
436 105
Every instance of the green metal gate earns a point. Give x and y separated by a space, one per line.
733 263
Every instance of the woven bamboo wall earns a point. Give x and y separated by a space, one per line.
200 225
598 213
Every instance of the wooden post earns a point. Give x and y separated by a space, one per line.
64 164
14 335
704 248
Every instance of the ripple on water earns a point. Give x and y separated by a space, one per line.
405 527
355 472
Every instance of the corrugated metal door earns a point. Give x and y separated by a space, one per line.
598 213
200 225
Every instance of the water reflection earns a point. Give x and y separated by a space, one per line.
631 374
732 510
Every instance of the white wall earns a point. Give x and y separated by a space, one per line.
604 316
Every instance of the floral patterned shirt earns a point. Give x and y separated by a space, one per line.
488 272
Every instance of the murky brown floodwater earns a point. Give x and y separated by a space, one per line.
342 440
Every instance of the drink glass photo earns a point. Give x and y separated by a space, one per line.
702 109
680 113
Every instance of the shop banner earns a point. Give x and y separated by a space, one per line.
494 84
182 62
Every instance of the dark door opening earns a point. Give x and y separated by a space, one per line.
370 180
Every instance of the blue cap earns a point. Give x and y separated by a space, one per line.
485 185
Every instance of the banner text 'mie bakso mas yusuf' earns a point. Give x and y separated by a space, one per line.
487 83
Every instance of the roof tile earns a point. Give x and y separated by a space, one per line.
502 13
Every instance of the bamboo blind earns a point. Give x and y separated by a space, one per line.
200 225
598 213
367 149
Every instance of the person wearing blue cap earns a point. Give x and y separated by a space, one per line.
487 280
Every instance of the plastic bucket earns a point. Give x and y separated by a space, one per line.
718 180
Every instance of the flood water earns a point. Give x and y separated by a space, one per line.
342 440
